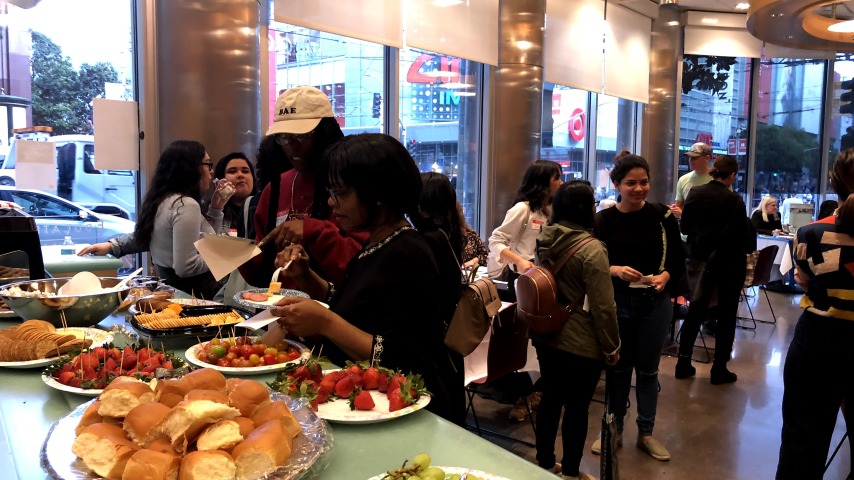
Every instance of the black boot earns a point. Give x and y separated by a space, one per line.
720 375
684 369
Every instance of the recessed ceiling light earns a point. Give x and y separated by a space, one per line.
673 23
742 6
842 27
709 20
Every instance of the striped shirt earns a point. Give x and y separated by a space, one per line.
826 258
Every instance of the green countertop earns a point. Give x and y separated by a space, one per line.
28 408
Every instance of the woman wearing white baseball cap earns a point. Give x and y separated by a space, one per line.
293 208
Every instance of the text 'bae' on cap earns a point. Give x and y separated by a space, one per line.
299 110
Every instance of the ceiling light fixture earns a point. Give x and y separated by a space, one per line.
842 27
742 6
446 3
709 21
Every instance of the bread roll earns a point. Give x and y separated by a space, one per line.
212 395
222 435
205 379
162 444
90 416
170 392
120 398
247 395
246 425
152 465
266 449
104 449
207 465
277 410
231 383
188 418
141 423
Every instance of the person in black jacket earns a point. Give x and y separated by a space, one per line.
715 221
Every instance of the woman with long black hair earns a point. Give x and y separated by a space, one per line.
171 221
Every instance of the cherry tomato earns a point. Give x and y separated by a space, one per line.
281 357
293 353
222 362
254 359
237 363
211 358
269 359
215 341
239 341
231 356
259 348
270 351
246 351
235 350
218 350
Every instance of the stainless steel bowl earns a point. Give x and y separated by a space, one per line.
68 310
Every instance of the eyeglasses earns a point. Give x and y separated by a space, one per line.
209 165
284 138
336 193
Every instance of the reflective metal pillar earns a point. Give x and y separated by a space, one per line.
660 138
518 101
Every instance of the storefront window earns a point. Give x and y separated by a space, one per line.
616 127
565 128
55 58
349 71
715 98
440 119
788 131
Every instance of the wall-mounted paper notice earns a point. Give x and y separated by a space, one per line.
35 166
116 134
223 254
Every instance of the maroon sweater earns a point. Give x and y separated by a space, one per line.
329 248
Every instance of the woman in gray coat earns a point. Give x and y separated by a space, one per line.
571 360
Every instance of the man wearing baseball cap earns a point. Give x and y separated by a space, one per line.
698 157
294 207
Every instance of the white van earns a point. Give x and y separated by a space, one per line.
79 181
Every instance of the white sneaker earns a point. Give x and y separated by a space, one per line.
596 448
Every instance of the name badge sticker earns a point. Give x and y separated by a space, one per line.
537 224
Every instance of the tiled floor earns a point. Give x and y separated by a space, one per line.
713 432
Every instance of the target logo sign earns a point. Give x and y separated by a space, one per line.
576 124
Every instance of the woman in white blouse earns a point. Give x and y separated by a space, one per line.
513 243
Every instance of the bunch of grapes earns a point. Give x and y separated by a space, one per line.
421 470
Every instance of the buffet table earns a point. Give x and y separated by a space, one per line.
28 408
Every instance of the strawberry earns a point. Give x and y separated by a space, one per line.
89 373
110 364
356 378
129 361
382 382
361 400
142 355
356 369
396 382
371 378
322 397
65 377
115 354
168 364
344 387
395 403
75 382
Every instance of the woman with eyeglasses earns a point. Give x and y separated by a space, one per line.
171 220
645 253
293 208
385 307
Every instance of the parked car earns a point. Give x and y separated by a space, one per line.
56 217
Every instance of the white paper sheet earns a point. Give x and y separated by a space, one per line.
259 321
116 134
223 253
36 165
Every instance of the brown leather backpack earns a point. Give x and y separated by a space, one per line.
536 296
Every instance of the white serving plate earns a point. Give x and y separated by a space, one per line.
338 411
191 357
99 337
271 301
458 471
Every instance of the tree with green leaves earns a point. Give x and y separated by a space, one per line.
707 73
62 96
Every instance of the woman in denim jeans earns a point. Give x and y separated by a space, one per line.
645 253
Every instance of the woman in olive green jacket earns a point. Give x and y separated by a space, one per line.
571 360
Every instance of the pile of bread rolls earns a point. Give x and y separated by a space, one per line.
201 426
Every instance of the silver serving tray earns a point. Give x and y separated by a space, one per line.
314 442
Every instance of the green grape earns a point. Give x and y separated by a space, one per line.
433 473
415 477
421 461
